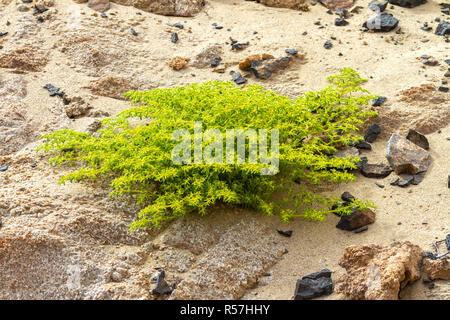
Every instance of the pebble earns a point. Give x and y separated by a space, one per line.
443 89
379 184
178 25
378 101
4 167
3 34
291 51
216 62
340 22
238 78
285 233
327 44
133 32
174 37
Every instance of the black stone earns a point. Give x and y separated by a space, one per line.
372 133
314 285
394 181
216 62
238 78
445 11
340 22
380 5
174 37
161 286
4 167
285 233
378 101
359 230
361 145
239 46
443 28
103 15
447 61
443 89
327 44
407 3
418 139
347 196
406 181
178 25
3 34
291 51
387 22
40 19
133 32
418 178
54 91
375 170
447 241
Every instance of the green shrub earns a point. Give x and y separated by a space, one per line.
137 158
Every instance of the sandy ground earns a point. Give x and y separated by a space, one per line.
141 60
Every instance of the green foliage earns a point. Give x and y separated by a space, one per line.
137 158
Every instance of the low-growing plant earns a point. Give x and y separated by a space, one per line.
137 157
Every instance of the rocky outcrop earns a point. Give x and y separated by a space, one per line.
379 273
405 156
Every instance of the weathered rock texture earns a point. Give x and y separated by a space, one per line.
405 156
290 4
436 269
183 8
336 4
379 273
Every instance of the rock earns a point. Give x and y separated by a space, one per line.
347 152
443 89
436 269
236 46
407 3
372 133
4 167
204 58
347 197
77 108
314 285
378 101
405 181
340 22
174 37
181 8
246 63
405 156
161 286
342 12
361 145
381 23
379 170
328 44
291 51
378 273
362 229
178 63
290 4
285 233
263 69
133 32
418 178
336 4
55 91
380 185
429 62
238 78
216 61
443 28
24 59
376 5
99 5
357 219
394 181
23 8
418 139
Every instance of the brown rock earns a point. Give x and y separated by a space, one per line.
178 63
336 4
436 269
247 62
418 139
183 8
263 69
204 58
356 220
77 108
290 4
23 59
99 5
405 156
379 273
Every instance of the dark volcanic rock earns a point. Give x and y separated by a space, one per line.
405 156
407 3
161 286
55 91
357 219
381 23
443 28
327 44
372 133
340 22
216 61
378 101
406 181
347 196
362 145
174 37
314 285
285 233
238 78
375 170
418 139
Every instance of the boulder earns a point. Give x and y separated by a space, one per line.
379 273
405 156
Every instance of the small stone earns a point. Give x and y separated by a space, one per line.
375 170
418 178
178 63
285 233
372 133
443 28
376 5
394 181
362 145
443 89
291 51
378 101
327 44
347 197
429 62
362 229
4 167
133 32
406 181
161 286
342 12
381 23
340 22
216 61
379 184
263 69
238 78
357 219
174 37
23 8
418 139
178 25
